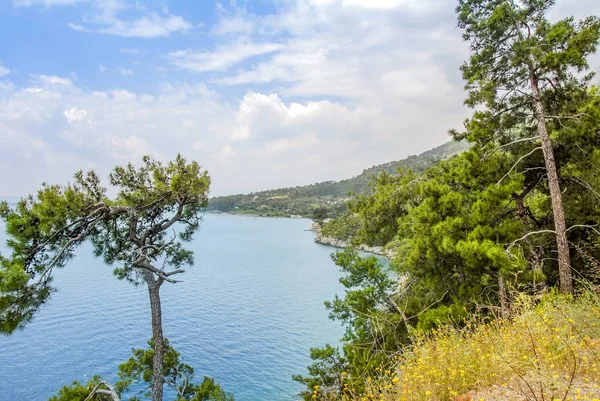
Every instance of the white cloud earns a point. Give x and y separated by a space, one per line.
308 70
199 145
333 86
4 71
102 67
313 141
74 128
77 27
125 71
284 145
260 142
76 115
149 26
227 151
223 57
360 50
417 5
51 80
6 86
384 4
132 147
236 24
107 20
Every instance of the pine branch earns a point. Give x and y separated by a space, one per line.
518 161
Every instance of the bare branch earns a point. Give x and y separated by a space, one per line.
487 156
512 244
517 162
586 185
82 236
109 391
143 263
574 117
594 228
178 271
509 109
167 223
430 306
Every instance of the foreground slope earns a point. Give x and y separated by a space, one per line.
546 351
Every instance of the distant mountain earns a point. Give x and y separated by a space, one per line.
303 200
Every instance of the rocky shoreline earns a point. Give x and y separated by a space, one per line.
337 243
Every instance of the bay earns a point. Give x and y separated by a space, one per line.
246 314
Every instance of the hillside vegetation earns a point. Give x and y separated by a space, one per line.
330 195
546 351
482 241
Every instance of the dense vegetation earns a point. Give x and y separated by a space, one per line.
548 351
515 215
330 195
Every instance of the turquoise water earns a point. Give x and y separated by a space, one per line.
246 314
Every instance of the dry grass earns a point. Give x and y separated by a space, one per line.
547 352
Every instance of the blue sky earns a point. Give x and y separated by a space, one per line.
66 37
263 93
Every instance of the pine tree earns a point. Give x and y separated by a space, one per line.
135 230
521 69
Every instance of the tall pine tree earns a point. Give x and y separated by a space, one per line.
522 69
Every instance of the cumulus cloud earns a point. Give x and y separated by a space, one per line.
59 128
76 115
261 141
354 49
331 87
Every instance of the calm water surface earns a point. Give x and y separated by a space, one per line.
246 314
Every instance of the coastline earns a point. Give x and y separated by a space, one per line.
320 238
250 214
337 243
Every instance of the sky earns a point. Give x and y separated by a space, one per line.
262 93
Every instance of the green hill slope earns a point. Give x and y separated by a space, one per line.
330 195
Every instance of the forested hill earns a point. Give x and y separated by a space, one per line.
304 200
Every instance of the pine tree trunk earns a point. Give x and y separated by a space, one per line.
158 340
564 264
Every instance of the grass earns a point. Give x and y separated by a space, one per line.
548 351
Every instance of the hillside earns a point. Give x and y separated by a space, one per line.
330 195
547 350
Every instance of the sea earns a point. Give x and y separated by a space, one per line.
247 314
